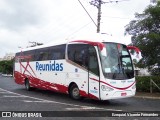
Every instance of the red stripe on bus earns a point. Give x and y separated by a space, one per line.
99 44
113 86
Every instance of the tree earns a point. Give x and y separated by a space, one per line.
6 66
145 31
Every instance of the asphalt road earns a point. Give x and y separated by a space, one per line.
14 97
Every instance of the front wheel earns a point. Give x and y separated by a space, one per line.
27 85
74 92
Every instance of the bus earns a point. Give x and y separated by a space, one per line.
96 69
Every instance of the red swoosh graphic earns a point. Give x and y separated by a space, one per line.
113 86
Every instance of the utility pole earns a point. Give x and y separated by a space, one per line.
97 3
99 17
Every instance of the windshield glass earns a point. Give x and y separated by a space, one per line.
116 61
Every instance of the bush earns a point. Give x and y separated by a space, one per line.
155 71
6 66
143 83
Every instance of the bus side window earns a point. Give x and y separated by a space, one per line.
29 54
41 54
78 53
93 61
57 52
17 57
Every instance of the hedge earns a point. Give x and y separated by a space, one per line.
143 83
6 66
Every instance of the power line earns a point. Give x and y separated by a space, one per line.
88 13
116 1
115 17
98 3
80 28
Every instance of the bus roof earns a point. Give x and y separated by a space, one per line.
93 38
98 38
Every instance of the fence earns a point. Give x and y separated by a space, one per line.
148 83
151 85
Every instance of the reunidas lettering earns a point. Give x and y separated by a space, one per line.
49 67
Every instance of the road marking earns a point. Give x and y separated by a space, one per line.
12 96
84 108
147 97
90 108
61 103
29 101
3 92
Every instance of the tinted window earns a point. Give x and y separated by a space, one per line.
16 58
57 52
93 61
25 56
41 54
78 53
49 53
30 54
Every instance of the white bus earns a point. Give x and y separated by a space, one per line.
100 69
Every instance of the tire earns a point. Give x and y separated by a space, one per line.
74 92
27 85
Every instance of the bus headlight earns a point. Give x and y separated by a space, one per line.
106 88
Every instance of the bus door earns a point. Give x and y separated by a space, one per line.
83 69
93 73
77 67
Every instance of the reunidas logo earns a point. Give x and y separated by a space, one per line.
49 67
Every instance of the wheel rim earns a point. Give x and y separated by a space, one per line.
75 92
27 85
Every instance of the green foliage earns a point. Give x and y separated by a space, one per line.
143 83
145 31
141 64
6 66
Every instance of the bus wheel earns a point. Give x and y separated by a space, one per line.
74 92
27 85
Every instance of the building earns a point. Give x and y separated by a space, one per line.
8 56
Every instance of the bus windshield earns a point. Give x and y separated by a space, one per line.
116 62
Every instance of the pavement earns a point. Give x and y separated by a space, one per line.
146 95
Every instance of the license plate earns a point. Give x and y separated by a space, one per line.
123 94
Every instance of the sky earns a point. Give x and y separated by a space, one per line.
44 21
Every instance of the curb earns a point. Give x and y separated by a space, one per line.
147 97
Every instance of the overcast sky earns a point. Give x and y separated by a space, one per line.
45 21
